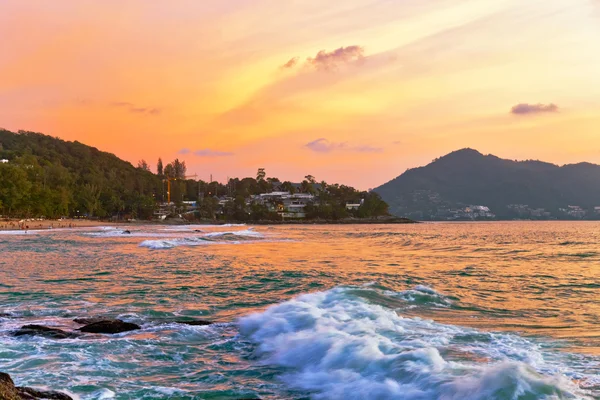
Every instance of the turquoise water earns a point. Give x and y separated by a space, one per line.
428 311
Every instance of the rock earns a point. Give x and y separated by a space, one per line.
195 323
8 391
29 393
90 320
127 232
5 315
109 326
44 331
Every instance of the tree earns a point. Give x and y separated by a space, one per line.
373 206
14 187
175 169
288 187
260 174
142 164
311 179
169 171
159 167
91 198
179 168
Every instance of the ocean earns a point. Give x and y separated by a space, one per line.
502 310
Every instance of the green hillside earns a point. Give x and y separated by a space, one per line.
467 177
50 177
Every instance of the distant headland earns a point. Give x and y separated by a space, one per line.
466 185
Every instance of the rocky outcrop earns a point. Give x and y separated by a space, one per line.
8 391
44 331
90 320
110 326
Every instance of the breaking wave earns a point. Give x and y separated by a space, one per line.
230 237
423 295
337 345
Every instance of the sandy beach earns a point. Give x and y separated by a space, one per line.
32 223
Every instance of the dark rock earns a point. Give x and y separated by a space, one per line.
90 320
5 315
8 391
42 394
195 323
40 330
110 326
127 232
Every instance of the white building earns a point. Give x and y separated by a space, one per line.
4 161
286 204
354 206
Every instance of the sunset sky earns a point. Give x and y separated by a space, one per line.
351 91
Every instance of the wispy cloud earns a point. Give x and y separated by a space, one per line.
205 153
291 63
323 145
525 108
136 109
330 60
327 60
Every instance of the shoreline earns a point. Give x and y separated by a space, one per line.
31 224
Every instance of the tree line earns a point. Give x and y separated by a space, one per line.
49 177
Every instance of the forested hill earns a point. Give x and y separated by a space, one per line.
52 177
511 189
42 176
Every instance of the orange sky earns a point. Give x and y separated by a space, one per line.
352 91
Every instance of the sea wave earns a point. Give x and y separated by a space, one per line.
337 345
229 237
422 295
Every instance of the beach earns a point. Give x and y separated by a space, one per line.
36 224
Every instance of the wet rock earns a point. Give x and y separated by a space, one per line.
44 331
195 323
5 315
90 320
8 391
127 232
29 393
109 326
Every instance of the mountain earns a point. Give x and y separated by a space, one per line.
46 176
445 188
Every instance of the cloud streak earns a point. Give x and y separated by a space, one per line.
330 60
323 145
206 153
132 108
527 109
291 63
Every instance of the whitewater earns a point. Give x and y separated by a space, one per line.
429 311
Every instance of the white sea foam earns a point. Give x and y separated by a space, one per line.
250 232
339 346
422 294
105 394
223 237
22 232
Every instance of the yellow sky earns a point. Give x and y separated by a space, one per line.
352 91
